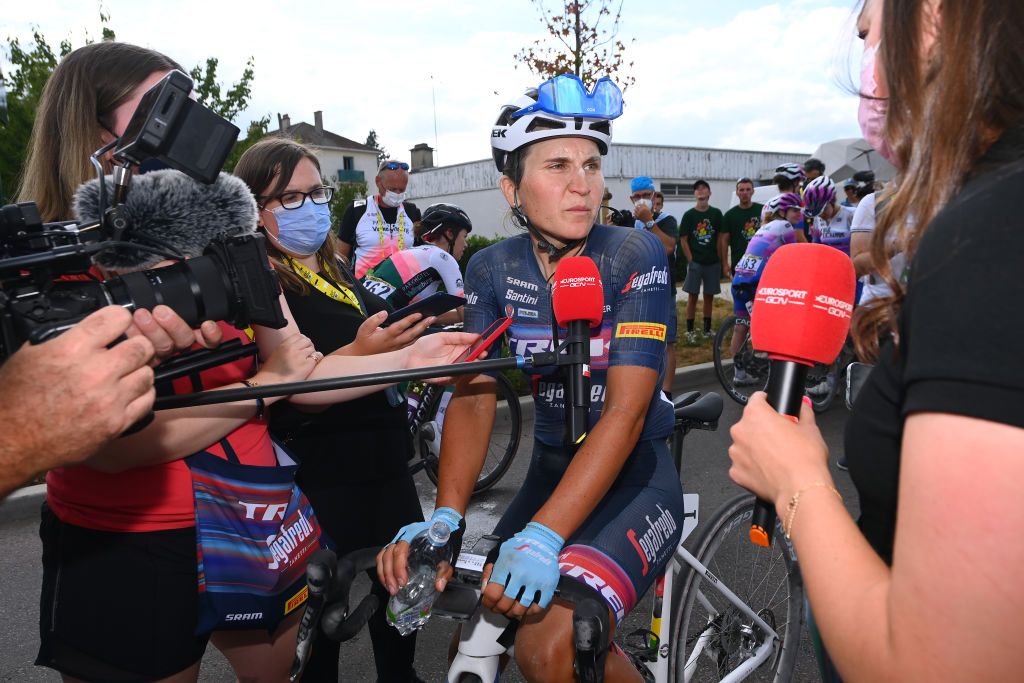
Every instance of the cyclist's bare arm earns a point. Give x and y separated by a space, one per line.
467 424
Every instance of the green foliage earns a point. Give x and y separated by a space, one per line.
257 131
344 195
33 64
208 90
582 40
474 244
372 141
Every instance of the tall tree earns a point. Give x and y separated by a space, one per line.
582 39
372 141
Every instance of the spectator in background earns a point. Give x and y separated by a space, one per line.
738 225
790 178
650 217
379 226
698 234
864 183
850 190
813 168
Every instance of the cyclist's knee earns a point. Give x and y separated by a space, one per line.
544 649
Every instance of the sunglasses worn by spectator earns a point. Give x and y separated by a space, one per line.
293 200
394 166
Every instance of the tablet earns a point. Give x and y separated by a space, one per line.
435 304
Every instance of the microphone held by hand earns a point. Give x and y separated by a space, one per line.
801 317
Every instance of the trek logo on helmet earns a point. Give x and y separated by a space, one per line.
498 132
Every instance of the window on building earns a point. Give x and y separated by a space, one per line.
349 163
677 190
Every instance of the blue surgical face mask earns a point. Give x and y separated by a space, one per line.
303 230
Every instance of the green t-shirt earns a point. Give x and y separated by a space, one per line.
740 225
701 229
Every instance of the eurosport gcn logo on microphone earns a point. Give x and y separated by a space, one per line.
781 296
578 281
837 308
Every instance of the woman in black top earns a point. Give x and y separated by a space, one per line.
353 456
928 587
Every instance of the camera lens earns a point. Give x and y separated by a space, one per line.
197 290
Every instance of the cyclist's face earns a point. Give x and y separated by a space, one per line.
460 245
562 186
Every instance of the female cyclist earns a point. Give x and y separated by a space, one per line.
124 523
414 274
781 213
611 507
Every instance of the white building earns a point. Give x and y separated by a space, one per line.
474 185
341 160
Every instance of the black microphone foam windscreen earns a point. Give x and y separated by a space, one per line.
172 207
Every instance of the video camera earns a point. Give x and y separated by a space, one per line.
45 286
622 218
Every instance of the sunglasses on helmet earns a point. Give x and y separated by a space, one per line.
565 95
394 166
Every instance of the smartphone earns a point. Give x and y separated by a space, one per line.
435 304
856 375
487 338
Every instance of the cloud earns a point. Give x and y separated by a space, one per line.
706 75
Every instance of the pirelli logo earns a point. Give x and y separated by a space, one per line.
654 331
296 600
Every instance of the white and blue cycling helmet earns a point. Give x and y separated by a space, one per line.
558 108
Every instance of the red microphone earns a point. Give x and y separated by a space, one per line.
801 316
577 299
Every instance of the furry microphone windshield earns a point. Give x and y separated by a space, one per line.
173 208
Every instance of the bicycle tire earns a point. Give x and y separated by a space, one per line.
504 442
756 364
759 582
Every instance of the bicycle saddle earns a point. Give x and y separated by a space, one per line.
685 399
702 413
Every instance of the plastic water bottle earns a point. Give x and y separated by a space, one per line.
409 608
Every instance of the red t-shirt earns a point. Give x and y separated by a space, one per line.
155 497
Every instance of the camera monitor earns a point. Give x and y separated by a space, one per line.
170 126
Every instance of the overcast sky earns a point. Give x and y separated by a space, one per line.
742 74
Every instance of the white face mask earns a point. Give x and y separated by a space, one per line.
643 202
393 199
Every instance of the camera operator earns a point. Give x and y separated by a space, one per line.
124 522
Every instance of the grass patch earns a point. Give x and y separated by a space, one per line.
701 350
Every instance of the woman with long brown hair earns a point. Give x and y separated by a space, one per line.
925 586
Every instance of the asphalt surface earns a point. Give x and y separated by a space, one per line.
704 471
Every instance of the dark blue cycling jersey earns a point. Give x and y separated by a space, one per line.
505 280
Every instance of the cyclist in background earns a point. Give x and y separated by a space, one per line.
782 211
830 221
790 178
582 510
414 274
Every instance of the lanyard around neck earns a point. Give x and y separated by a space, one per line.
338 293
401 227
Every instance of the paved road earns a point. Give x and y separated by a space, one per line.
705 466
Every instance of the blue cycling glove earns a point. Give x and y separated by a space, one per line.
528 563
446 515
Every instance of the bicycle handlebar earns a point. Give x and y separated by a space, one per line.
329 581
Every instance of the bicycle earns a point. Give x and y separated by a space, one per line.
821 383
501 449
727 623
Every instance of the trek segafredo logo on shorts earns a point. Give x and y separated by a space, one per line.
281 545
659 530
655 331
655 276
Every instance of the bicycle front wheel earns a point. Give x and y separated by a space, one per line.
711 637
744 371
504 442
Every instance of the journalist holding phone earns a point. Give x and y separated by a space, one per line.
353 455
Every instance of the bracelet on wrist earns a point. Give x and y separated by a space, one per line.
261 405
794 503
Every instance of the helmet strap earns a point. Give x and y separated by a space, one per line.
520 217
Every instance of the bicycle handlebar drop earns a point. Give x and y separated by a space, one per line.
329 581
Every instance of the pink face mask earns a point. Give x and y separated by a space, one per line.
871 112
